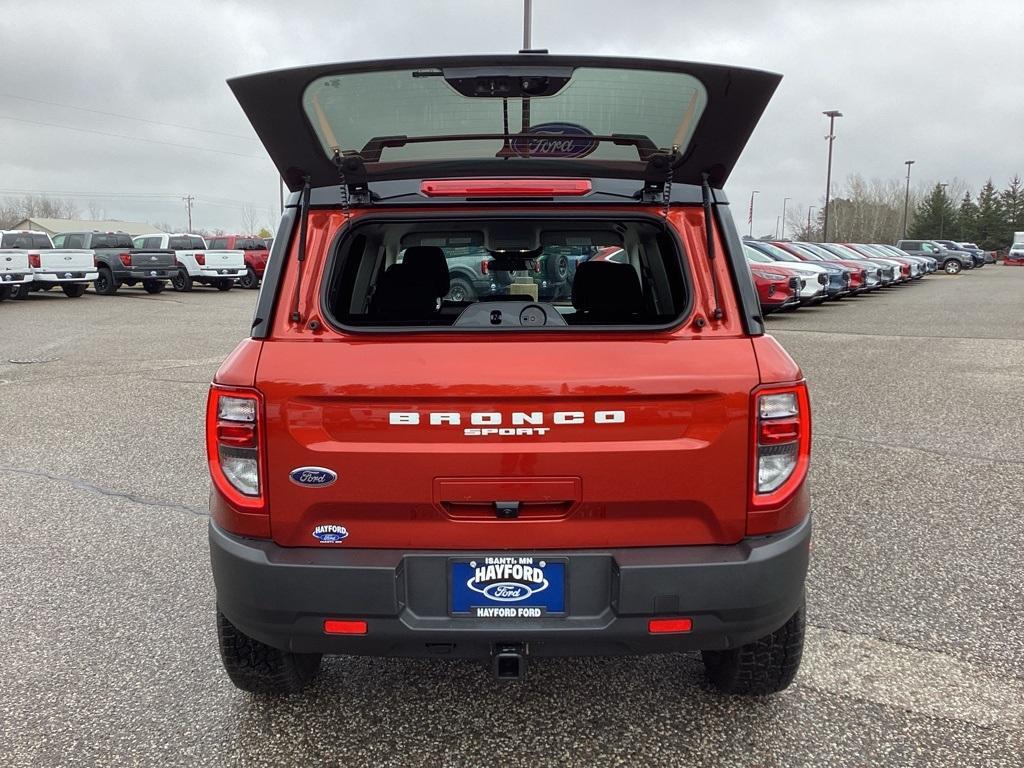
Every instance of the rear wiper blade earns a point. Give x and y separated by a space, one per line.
371 152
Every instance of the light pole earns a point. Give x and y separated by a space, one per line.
750 216
942 209
906 200
831 114
527 24
784 201
809 209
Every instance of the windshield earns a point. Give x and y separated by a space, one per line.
34 240
755 255
777 253
352 112
805 251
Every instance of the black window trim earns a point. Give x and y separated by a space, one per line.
368 330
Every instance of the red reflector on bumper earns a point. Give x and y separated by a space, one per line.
344 627
666 626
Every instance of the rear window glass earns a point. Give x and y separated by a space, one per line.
35 240
186 243
111 241
353 112
249 244
507 275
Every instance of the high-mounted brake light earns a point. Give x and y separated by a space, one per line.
505 187
235 446
201 259
126 259
34 261
781 444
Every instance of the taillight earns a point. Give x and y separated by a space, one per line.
485 267
34 261
235 446
126 259
781 440
201 259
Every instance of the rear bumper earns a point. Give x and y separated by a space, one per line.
73 276
15 278
155 273
733 594
229 272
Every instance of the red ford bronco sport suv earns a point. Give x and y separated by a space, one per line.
618 471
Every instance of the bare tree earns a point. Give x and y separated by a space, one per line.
96 211
250 219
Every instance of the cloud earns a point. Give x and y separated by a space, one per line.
930 81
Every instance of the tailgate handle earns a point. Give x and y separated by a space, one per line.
506 510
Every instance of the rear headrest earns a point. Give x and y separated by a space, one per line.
608 289
428 264
401 294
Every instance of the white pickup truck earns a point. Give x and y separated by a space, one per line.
70 268
197 263
14 271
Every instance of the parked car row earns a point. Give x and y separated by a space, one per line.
32 261
789 275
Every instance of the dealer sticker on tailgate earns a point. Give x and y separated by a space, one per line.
507 587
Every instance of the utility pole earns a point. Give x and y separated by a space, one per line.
784 201
906 200
188 205
809 209
750 216
831 114
527 23
942 210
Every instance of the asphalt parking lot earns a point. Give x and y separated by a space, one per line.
916 593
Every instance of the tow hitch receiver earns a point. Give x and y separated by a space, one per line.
510 661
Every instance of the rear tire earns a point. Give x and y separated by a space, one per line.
765 666
152 286
249 279
74 290
460 290
556 268
5 292
105 284
259 668
181 281
224 284
952 267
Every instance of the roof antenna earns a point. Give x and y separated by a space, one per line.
709 236
296 317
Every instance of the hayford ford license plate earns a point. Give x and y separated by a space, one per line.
507 587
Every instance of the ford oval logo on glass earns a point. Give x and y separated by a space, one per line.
312 477
554 140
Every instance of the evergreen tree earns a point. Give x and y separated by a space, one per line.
1011 200
990 224
966 219
934 217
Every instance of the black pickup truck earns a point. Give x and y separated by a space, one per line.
119 262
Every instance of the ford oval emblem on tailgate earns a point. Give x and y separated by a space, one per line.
313 477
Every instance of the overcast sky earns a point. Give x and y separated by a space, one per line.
938 82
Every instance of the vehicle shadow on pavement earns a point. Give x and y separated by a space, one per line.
583 711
